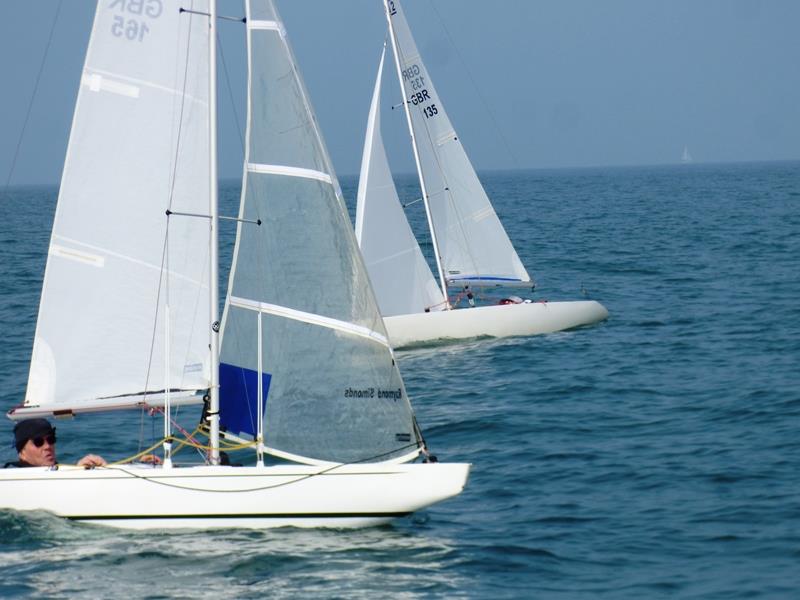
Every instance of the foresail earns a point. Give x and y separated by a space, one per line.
301 325
472 242
400 275
139 140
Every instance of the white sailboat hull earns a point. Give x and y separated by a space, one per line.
495 321
143 497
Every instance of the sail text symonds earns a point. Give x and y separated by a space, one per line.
371 392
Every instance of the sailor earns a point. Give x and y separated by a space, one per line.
35 441
470 296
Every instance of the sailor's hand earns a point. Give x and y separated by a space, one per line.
91 461
150 459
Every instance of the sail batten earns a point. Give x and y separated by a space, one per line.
266 25
289 172
98 258
98 83
306 317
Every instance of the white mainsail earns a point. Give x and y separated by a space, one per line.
473 244
401 277
299 293
138 147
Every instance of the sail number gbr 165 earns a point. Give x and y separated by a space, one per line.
135 27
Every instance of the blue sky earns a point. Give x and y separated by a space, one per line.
527 83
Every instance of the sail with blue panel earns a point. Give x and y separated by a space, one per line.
300 314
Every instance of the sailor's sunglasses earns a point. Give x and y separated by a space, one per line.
39 441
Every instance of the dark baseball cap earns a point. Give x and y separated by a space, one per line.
29 429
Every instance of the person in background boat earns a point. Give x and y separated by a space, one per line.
470 297
35 441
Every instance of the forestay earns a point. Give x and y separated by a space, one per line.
472 242
114 265
401 277
301 325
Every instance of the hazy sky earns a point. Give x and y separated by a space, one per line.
527 83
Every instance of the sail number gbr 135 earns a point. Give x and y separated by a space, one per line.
415 83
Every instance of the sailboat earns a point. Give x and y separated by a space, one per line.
300 368
470 245
686 157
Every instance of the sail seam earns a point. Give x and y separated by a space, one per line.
392 256
289 172
447 136
310 318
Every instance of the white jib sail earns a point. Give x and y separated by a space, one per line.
473 244
138 146
301 327
400 275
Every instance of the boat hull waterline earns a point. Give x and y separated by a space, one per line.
143 497
504 320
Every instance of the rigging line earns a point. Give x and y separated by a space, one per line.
418 434
33 97
477 89
180 117
300 478
230 92
165 248
142 413
446 191
199 446
438 258
190 439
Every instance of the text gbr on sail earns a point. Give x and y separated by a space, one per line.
413 78
148 8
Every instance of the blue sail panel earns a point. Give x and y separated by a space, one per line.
238 398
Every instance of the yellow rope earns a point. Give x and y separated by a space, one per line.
224 444
222 447
135 456
182 444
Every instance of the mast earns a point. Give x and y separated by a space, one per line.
442 280
213 284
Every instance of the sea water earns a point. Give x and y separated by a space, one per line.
654 455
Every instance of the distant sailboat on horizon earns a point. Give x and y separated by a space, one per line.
686 157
